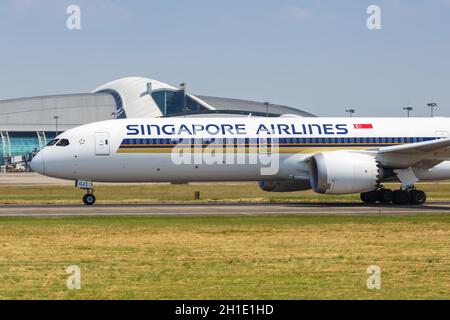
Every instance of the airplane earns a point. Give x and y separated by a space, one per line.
328 155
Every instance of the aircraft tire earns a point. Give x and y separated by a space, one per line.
369 197
418 197
385 195
402 197
89 199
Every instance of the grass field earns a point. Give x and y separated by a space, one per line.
291 257
156 193
234 257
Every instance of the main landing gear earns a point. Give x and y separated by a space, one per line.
402 197
89 198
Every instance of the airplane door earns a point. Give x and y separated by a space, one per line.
102 143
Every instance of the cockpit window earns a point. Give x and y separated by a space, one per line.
63 143
52 142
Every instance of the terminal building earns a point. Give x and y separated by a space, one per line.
27 124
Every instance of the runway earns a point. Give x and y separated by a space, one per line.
225 209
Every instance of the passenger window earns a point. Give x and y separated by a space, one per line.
63 143
52 142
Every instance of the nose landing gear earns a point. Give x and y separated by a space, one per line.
89 198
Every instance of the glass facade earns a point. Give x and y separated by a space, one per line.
22 144
176 103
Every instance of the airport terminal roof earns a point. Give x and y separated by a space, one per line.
38 113
136 95
133 97
228 104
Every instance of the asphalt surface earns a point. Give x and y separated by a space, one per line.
226 209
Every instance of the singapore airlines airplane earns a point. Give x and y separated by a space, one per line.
327 155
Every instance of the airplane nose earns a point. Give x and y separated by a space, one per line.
37 164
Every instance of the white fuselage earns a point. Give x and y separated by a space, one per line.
144 150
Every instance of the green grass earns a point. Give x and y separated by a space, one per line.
156 193
219 258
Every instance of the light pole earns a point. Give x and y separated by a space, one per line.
267 108
432 105
56 125
408 110
183 90
350 111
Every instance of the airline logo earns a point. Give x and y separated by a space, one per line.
363 126
225 129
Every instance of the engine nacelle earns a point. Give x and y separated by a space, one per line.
284 186
343 172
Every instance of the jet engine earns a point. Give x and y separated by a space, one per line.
343 172
284 186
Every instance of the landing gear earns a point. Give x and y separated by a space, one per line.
418 197
369 197
385 195
89 199
400 197
381 195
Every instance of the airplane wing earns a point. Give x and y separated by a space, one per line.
420 154
418 147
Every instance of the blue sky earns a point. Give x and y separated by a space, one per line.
316 55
